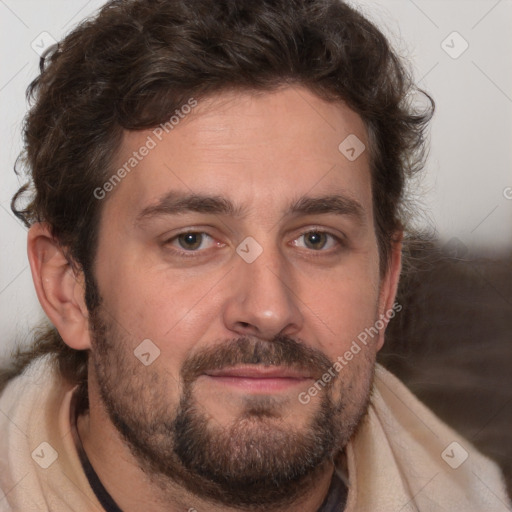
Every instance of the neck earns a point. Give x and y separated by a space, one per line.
134 489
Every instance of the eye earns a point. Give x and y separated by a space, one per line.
317 241
192 241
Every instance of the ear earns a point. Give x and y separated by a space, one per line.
59 288
389 285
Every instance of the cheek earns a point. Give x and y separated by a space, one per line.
343 306
173 310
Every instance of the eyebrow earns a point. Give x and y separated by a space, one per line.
337 204
174 203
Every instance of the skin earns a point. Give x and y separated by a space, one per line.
262 152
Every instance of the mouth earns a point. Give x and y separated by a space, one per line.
259 379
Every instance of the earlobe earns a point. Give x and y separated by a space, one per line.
59 287
389 286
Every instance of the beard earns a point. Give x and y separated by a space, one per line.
257 460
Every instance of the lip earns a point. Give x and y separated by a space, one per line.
259 379
260 372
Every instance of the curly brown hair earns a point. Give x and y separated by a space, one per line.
136 61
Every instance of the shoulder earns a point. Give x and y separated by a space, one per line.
40 469
13 381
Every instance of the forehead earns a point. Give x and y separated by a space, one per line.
257 149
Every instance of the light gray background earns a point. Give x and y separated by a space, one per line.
467 190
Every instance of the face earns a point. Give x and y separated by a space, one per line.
242 249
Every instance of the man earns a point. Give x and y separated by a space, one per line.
215 236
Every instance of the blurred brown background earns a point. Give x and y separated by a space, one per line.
452 343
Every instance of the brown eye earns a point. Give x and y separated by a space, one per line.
315 240
318 241
190 241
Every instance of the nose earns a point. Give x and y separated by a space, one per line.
263 301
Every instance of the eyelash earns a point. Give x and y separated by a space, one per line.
337 239
183 252
198 253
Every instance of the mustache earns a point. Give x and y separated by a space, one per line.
279 351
